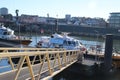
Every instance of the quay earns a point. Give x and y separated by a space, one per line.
36 63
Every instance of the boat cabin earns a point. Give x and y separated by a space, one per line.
66 43
6 33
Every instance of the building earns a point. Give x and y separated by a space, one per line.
42 20
95 22
29 18
3 11
67 17
114 19
1 19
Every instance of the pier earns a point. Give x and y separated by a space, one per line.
35 63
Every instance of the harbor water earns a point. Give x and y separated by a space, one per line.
68 75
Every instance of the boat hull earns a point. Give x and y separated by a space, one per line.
12 43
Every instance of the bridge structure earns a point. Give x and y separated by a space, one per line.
35 63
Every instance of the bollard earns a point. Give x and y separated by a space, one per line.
108 52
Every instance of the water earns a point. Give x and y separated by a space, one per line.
4 62
67 75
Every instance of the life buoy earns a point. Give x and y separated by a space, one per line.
83 49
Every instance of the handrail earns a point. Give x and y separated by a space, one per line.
31 57
15 54
3 49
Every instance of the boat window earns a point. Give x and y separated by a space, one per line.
69 42
77 43
65 42
61 46
5 33
8 33
74 43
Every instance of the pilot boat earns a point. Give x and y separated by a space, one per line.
60 41
9 39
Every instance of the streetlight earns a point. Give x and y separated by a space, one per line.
57 23
17 23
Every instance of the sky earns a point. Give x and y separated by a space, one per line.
77 8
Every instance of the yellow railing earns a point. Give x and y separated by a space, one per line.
31 63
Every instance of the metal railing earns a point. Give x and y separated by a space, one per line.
33 63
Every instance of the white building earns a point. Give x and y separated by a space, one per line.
68 17
97 22
91 21
3 11
114 19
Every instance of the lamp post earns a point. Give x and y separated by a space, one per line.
17 20
17 23
56 23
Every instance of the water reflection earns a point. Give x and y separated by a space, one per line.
68 75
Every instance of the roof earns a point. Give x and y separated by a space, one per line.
115 13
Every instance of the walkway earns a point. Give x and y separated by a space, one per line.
35 63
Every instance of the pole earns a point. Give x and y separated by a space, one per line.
17 22
97 33
57 24
36 36
97 48
36 33
108 52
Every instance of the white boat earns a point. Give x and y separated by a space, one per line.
9 39
60 41
43 42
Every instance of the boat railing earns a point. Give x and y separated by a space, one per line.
23 38
99 48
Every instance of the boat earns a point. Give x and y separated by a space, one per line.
9 39
60 41
97 53
43 42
